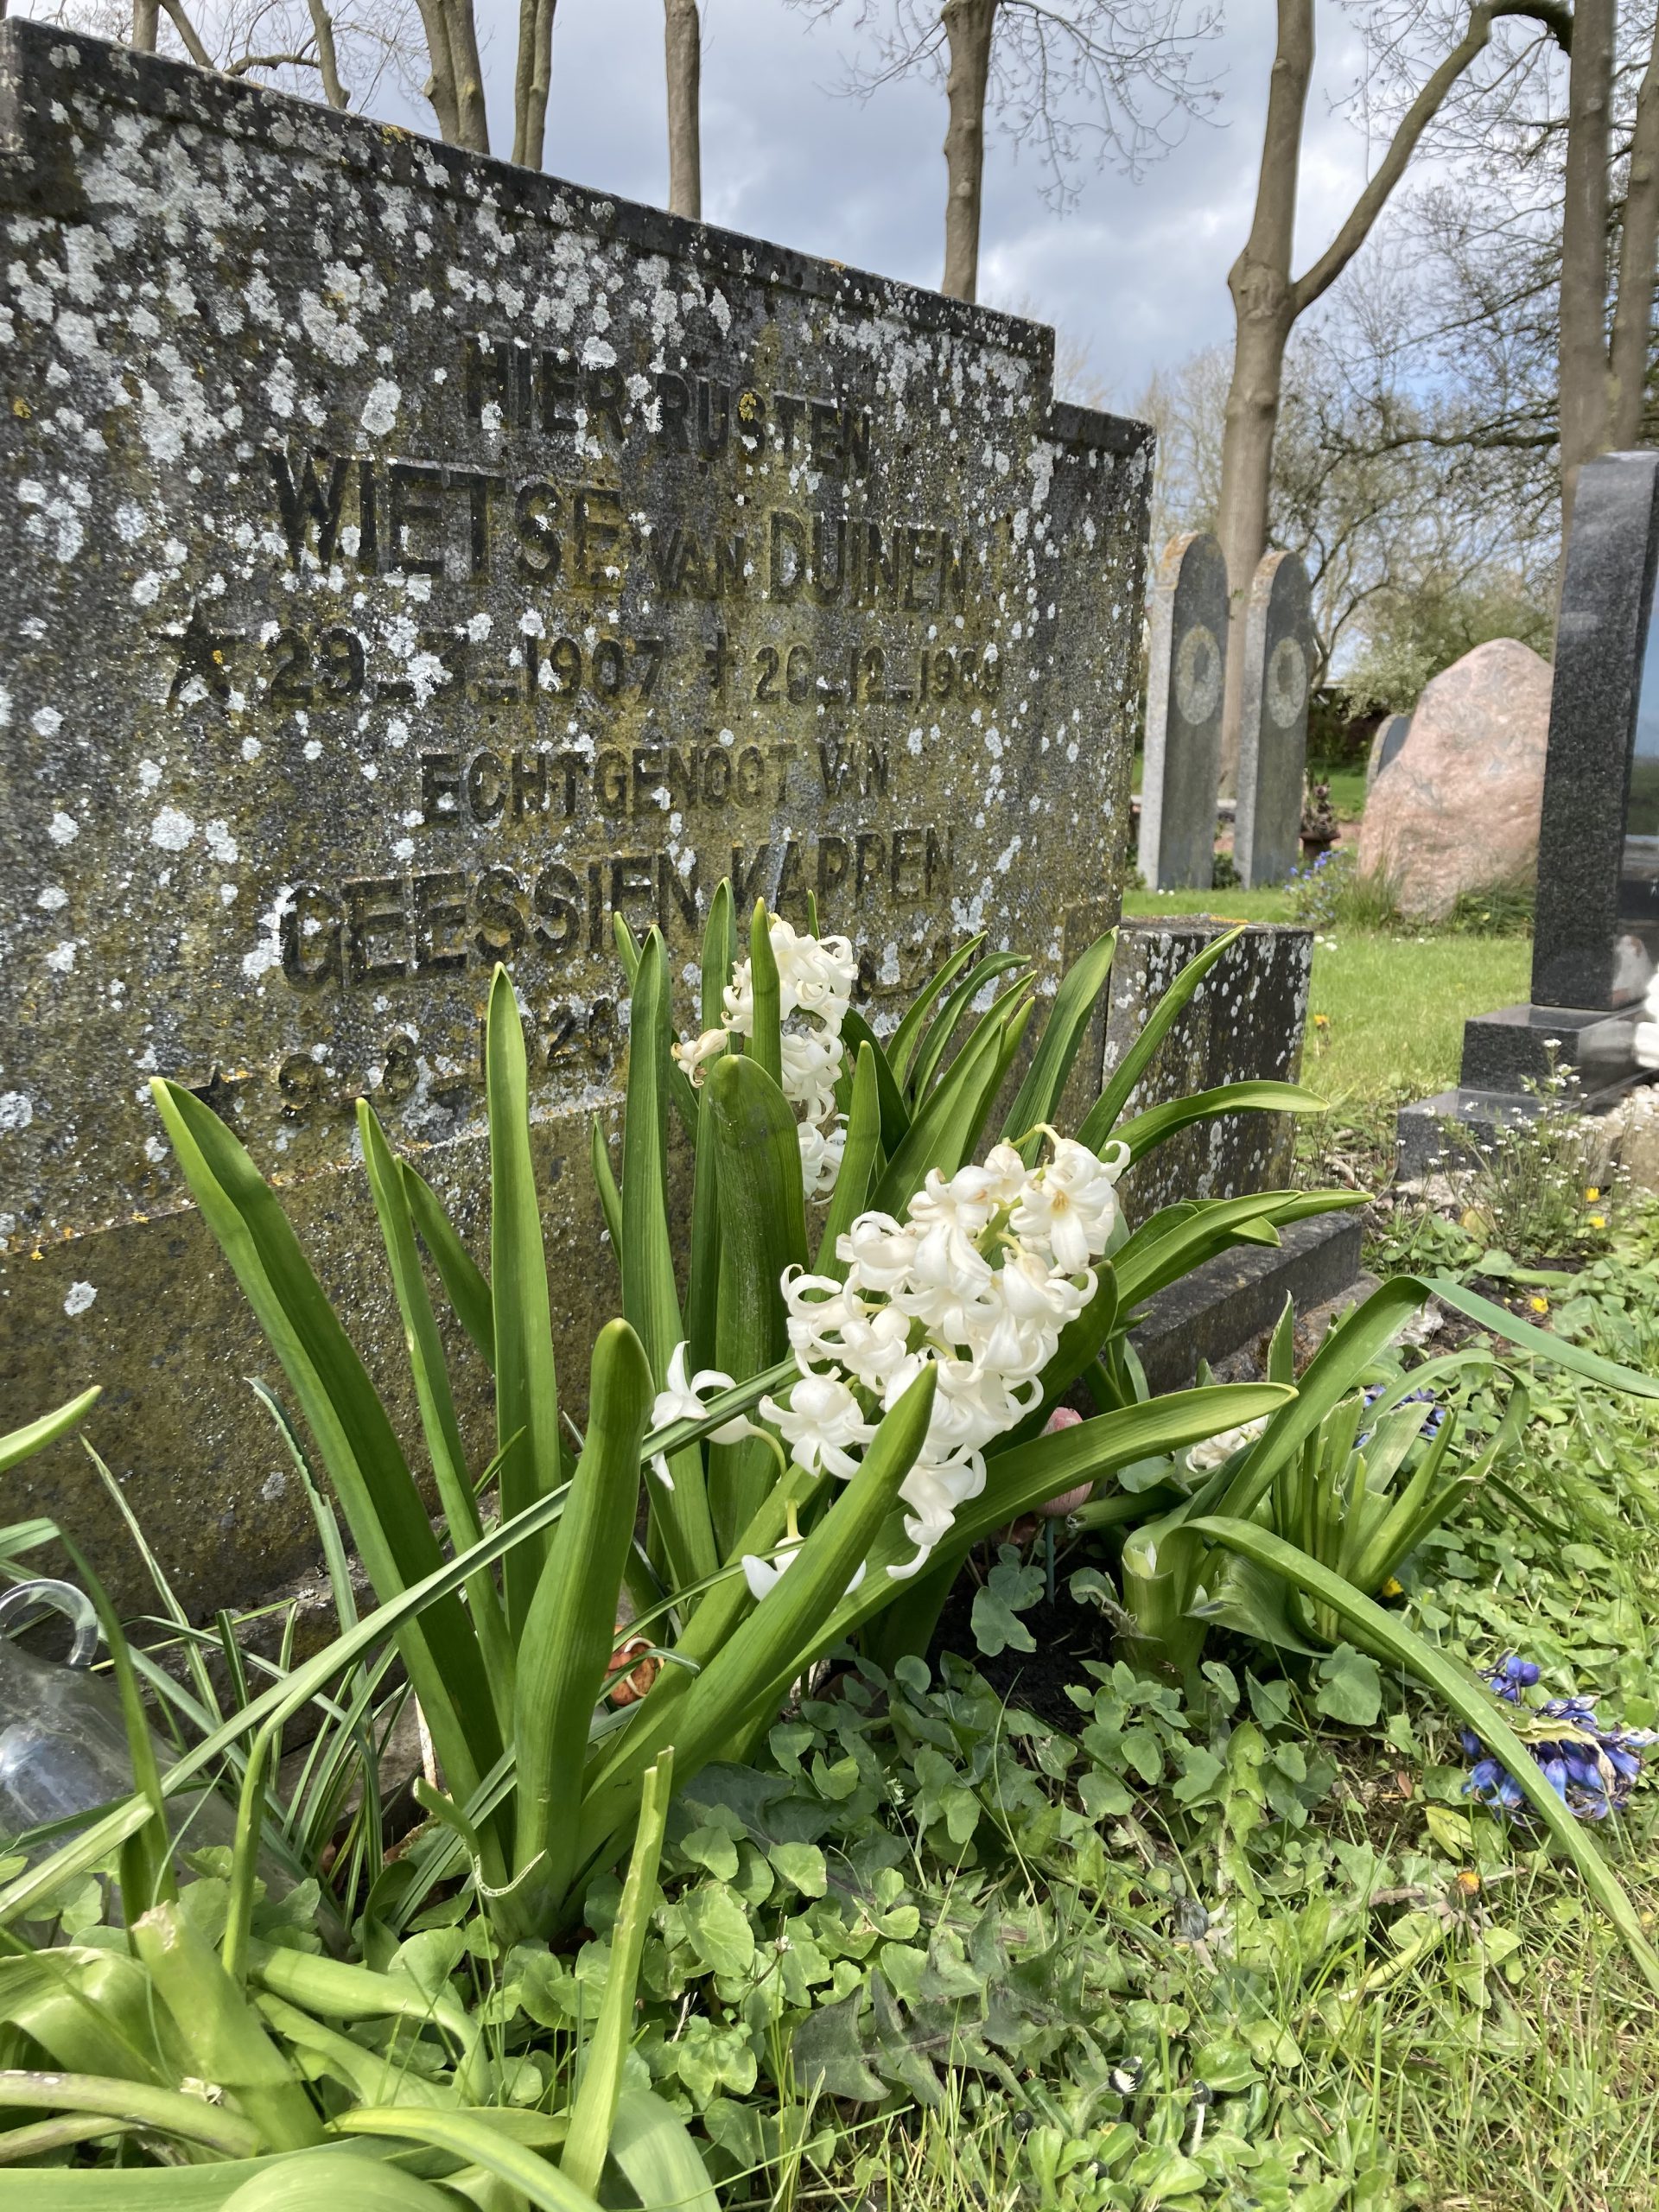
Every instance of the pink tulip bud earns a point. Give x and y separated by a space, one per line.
1069 1501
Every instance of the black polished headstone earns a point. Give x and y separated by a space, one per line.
1596 940
1185 686
1596 937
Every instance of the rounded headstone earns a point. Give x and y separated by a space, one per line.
1273 732
1458 809
1186 687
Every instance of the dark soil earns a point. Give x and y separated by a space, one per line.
1067 1635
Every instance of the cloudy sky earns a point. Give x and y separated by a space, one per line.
1137 272
1134 276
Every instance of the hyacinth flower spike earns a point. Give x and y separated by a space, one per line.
1591 1765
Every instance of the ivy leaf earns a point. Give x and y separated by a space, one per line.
712 1849
1012 1585
1351 1688
718 1929
997 1628
801 1864
1200 1772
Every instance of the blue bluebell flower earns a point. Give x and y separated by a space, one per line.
1592 1771
1431 1419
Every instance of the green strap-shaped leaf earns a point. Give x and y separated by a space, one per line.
858 1159
439 1421
1174 1242
930 1058
593 2112
1101 1120
651 2150
650 1299
702 1261
565 1648
943 1131
217 2026
382 1507
610 1199
1019 1481
462 1278
780 1638
1528 1336
22 1443
1473 1704
478 2139
908 1035
762 1232
1329 1376
1158 1123
526 1385
856 1032
166 2112
719 955
766 1042
1038 1096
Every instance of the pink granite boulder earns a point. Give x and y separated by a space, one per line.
1457 808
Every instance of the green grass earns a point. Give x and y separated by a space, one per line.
1385 1014
1347 786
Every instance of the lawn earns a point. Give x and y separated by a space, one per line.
1386 1010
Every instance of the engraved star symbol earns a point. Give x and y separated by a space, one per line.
202 652
218 1093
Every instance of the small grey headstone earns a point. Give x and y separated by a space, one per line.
1391 734
1244 1024
1273 734
414 562
1184 692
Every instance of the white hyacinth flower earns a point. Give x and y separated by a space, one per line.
683 1399
821 1420
763 1575
1202 1457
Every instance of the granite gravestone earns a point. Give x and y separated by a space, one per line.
415 562
1596 937
1186 683
1244 1023
1272 736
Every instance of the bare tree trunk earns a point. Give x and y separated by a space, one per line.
146 25
969 26
1638 251
455 86
473 114
323 23
440 86
1585 400
532 82
1267 300
186 30
683 53
1264 311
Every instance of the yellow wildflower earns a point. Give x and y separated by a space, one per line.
1593 1194
1538 1304
1598 1221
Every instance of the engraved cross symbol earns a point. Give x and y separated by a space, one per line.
717 659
